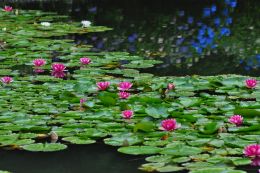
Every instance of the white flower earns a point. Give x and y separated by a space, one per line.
85 23
47 24
3 29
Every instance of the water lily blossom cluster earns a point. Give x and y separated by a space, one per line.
127 114
124 95
8 8
85 23
252 150
6 80
39 62
236 119
251 83
46 24
85 61
103 85
169 125
124 86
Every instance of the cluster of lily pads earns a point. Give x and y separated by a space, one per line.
195 123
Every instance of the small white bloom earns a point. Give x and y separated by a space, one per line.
47 24
85 23
3 29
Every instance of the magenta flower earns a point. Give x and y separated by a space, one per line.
124 86
8 8
103 85
127 114
252 150
124 95
58 67
6 80
39 62
236 119
169 125
85 60
251 83
170 86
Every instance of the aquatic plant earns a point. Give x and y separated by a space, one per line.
124 86
85 61
236 119
8 8
6 80
39 62
251 83
86 23
127 114
252 150
169 125
103 85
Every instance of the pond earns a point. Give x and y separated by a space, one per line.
84 81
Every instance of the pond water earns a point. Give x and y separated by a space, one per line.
187 36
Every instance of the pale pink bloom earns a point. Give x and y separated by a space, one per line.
103 85
124 95
58 74
236 119
58 67
6 79
252 150
127 114
39 62
255 161
251 83
170 86
8 8
169 125
85 60
123 86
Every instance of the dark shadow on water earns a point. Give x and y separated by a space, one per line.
95 158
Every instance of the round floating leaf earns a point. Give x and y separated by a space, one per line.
78 140
136 150
47 147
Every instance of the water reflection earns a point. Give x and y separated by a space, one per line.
188 35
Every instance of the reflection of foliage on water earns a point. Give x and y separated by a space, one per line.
181 34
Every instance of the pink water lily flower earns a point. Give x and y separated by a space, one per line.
124 86
8 8
124 95
58 67
39 62
251 83
169 125
252 150
127 114
85 60
236 119
6 79
103 85
170 86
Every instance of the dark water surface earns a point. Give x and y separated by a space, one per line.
95 158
